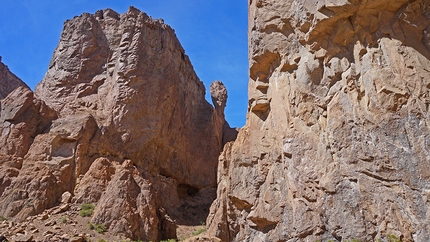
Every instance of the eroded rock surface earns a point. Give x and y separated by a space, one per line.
119 120
336 144
8 81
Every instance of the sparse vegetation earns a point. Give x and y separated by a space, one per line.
100 228
2 218
63 219
393 238
30 202
199 231
87 210
102 240
169 240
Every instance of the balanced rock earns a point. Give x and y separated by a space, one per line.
336 143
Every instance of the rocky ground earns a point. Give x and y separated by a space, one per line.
64 223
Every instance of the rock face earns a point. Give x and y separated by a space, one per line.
336 144
8 81
119 120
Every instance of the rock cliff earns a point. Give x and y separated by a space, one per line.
336 143
119 120
8 81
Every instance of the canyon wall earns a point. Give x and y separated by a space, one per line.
337 140
8 81
119 120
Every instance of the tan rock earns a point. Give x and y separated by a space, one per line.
76 239
50 223
219 95
24 238
116 210
18 230
66 197
335 144
8 81
62 208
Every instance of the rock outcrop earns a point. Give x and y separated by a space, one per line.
119 120
336 143
8 81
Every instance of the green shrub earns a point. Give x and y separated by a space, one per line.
2 218
199 231
102 240
100 228
393 238
63 219
87 210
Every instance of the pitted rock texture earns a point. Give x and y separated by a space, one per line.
8 81
119 120
336 144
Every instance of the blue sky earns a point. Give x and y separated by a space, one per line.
212 32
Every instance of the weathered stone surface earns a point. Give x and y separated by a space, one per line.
49 168
21 118
119 120
219 95
336 144
66 197
132 74
219 99
132 213
24 238
8 81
